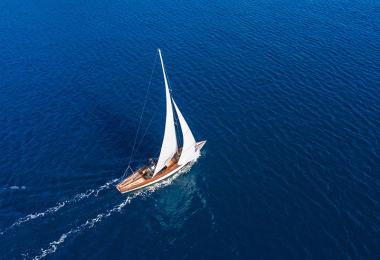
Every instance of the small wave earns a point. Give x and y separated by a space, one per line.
17 188
13 188
90 223
59 205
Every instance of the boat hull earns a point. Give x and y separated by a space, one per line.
138 180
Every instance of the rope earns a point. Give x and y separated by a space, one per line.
125 173
146 131
176 123
141 115
151 120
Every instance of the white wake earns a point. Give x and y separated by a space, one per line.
90 223
59 205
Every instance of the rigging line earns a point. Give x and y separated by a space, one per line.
176 123
142 112
146 131
178 131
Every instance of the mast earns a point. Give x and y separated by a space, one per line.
169 143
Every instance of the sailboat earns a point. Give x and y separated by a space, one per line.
172 158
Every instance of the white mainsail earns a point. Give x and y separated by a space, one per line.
169 144
188 150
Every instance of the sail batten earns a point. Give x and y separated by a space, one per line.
189 152
169 144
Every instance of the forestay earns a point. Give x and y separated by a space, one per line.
188 150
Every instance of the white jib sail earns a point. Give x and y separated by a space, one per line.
188 150
169 143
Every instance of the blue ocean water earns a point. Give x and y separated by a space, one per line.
286 93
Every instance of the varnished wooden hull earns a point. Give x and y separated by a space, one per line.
138 180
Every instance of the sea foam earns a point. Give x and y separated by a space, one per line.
59 205
90 223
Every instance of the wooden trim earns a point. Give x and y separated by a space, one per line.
128 184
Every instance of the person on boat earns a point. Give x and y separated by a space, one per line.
150 168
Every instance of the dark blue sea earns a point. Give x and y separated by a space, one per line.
286 93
